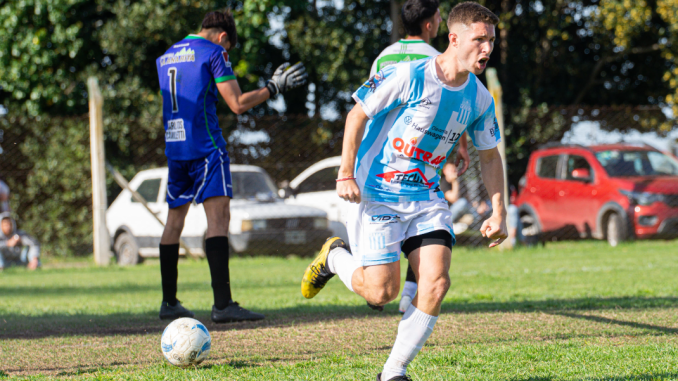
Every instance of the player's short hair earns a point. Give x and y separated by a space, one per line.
470 12
224 21
414 12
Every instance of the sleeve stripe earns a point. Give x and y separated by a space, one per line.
224 78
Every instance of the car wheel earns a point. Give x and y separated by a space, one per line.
530 231
126 250
615 229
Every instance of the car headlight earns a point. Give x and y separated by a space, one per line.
320 223
642 198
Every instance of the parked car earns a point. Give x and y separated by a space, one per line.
614 192
317 187
261 223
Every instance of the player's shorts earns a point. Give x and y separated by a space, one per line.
199 179
377 230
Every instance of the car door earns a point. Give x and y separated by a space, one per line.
578 202
144 226
546 189
320 190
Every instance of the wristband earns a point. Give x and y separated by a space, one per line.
346 178
272 88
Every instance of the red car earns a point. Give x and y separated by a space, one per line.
614 192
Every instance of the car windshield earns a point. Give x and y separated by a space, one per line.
637 163
253 185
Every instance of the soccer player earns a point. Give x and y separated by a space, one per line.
421 19
401 131
192 72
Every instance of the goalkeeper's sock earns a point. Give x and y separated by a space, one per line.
169 259
216 250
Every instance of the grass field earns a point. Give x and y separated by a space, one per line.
571 311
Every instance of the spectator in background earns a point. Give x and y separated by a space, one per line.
454 192
4 197
17 247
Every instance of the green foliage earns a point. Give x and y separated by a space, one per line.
49 201
46 48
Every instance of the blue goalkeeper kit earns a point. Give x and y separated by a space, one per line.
195 148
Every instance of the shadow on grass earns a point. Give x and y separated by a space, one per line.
16 326
639 377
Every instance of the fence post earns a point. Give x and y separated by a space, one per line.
102 245
494 87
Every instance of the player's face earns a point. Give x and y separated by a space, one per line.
435 24
475 44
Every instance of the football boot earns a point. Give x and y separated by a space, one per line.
233 313
174 312
318 273
396 378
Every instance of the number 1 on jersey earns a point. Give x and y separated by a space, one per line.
172 73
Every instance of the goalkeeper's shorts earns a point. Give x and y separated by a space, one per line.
199 179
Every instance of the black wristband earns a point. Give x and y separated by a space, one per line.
272 88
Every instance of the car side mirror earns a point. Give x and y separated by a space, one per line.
582 174
286 192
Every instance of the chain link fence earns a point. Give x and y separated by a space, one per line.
285 202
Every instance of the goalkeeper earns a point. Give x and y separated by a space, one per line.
192 73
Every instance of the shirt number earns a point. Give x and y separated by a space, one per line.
172 73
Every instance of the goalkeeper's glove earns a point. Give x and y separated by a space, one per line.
286 77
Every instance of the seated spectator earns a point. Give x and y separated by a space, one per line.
17 247
479 208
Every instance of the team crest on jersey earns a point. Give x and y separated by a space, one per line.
224 54
464 112
184 55
494 131
412 177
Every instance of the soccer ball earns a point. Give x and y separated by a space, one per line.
185 342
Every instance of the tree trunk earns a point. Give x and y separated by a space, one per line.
395 19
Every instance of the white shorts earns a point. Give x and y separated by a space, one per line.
376 230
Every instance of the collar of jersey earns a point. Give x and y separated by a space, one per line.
435 75
402 41
194 37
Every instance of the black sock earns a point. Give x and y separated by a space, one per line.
169 258
216 250
410 275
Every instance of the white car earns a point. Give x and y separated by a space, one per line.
317 187
261 223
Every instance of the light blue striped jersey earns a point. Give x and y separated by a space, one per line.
415 121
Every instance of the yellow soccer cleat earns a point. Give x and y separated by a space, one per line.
318 273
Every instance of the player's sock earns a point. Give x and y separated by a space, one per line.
216 250
169 259
410 288
413 331
341 262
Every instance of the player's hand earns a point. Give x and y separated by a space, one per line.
287 77
462 154
15 240
349 191
495 228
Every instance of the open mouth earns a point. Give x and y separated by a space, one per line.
483 61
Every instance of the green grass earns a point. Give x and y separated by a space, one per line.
570 311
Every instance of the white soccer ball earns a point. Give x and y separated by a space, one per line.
185 342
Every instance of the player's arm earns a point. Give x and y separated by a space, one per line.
353 134
239 102
462 154
452 177
492 170
284 78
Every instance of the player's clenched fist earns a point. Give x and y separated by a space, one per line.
287 77
349 191
495 228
